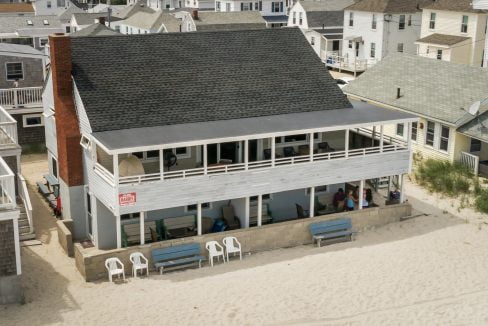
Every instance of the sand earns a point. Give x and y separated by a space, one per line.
428 270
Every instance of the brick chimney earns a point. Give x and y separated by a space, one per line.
101 20
67 126
194 14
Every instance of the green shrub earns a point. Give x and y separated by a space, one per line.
444 177
481 202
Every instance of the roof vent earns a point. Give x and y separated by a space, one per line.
29 22
399 93
194 14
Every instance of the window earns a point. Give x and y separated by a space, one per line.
126 30
54 167
409 20
312 40
193 208
400 47
464 24
294 17
67 29
43 42
89 213
430 134
475 145
350 44
300 18
432 20
117 28
444 141
260 5
85 142
414 131
276 6
14 70
373 22
48 4
217 6
439 54
227 7
400 129
295 138
264 197
351 19
372 54
33 120
246 6
401 23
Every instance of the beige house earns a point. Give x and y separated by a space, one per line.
431 90
452 31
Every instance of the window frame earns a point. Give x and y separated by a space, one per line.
439 54
476 147
432 20
427 134
443 138
400 130
374 22
372 50
6 70
351 19
415 126
401 22
27 116
400 45
464 25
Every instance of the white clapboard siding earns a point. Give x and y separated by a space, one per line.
98 186
180 192
85 127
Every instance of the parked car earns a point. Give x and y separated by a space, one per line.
343 81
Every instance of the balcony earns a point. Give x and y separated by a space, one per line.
26 97
335 61
8 130
7 186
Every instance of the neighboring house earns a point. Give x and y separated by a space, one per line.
22 74
50 7
483 5
453 31
209 135
144 22
431 90
199 4
95 30
166 4
273 12
65 17
82 20
221 21
322 22
17 9
29 30
376 28
103 7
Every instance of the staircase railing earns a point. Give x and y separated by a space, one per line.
471 161
24 195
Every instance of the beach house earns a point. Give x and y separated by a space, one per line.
220 21
453 120
241 139
483 5
453 30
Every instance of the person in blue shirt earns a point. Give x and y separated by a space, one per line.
350 201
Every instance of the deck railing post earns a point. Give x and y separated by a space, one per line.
360 194
374 136
199 218
118 231
246 154
16 98
260 210
246 213
382 136
311 146
141 224
161 164
401 179
273 150
116 169
346 145
205 159
312 201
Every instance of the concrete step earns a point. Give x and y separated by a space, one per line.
24 229
23 222
27 236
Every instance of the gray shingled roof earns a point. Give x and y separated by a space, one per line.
443 39
452 5
88 18
132 9
95 30
197 77
388 6
325 13
7 48
432 88
326 5
235 20
11 24
477 127
65 16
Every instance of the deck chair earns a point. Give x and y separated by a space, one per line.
114 267
289 151
230 218
214 250
301 213
232 246
139 262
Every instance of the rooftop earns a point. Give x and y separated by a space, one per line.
236 20
16 7
427 86
253 73
153 20
65 16
89 18
452 5
21 50
35 24
388 6
329 5
95 29
443 39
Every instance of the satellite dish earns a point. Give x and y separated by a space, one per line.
474 108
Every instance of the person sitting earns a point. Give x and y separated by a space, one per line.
365 202
338 200
395 195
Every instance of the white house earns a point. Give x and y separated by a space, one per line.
51 7
374 29
275 13
483 5
144 22
82 20
257 131
220 21
430 89
322 23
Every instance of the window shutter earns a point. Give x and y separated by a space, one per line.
281 6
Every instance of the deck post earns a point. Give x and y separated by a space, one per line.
246 154
142 216
346 145
161 164
260 210
374 136
409 135
119 231
390 181
273 150
18 265
246 213
360 194
205 163
199 218
312 201
382 136
311 146
401 179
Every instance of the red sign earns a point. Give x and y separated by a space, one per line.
128 199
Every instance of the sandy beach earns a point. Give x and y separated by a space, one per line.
428 270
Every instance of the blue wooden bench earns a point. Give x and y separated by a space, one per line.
334 229
177 256
43 189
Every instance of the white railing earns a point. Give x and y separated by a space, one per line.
471 161
7 186
104 173
24 195
8 128
386 139
239 167
333 60
17 97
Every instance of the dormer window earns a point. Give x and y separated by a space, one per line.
29 22
45 22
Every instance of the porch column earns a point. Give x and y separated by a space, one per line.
273 150
312 201
119 236
246 214
260 210
401 179
18 265
409 135
381 138
311 147
116 169
346 145
142 216
161 164
374 136
199 218
246 154
390 181
360 194
205 159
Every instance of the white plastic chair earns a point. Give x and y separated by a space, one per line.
139 262
114 267
214 250
232 246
